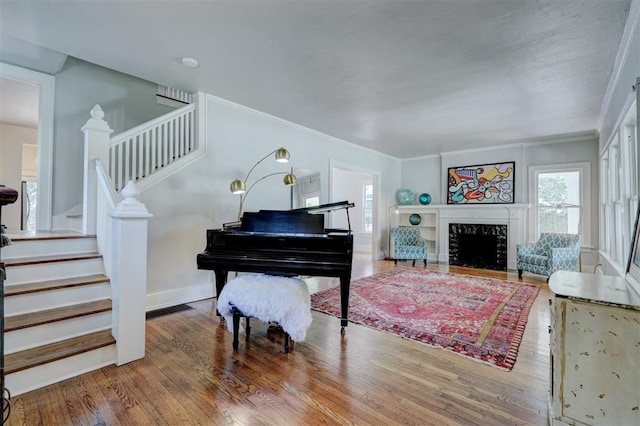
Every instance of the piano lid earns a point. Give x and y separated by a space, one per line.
327 208
303 220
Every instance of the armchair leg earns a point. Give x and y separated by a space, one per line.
519 273
424 261
395 261
413 263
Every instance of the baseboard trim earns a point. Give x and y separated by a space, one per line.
174 297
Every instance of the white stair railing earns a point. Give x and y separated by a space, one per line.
147 149
120 226
107 200
113 213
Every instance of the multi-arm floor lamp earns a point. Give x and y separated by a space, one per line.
7 196
239 186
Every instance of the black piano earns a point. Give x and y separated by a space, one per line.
283 242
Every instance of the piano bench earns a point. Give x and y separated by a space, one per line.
271 299
237 314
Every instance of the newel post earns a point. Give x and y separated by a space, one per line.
129 277
96 145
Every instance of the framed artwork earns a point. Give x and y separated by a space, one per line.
481 184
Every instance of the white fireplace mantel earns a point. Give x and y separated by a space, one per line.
512 215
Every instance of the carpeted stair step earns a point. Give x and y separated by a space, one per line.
48 316
34 357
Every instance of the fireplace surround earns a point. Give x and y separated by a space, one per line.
437 217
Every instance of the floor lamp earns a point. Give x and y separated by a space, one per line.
239 186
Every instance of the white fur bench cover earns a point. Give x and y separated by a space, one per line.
268 298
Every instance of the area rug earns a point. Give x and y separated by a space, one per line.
481 318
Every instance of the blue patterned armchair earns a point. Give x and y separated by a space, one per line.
551 253
408 244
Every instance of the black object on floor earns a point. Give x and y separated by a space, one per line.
166 311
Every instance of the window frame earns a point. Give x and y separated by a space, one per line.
584 169
363 189
619 190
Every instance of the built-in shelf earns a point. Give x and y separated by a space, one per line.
428 225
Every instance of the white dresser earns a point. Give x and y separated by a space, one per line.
595 350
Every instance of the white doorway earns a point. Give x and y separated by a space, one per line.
44 139
359 186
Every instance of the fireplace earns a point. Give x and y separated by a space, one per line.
478 245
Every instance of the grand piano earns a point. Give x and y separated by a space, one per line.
283 242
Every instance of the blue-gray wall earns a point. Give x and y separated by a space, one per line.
126 100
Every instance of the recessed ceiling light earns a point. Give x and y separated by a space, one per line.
189 62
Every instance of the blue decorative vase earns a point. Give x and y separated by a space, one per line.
424 199
405 196
415 219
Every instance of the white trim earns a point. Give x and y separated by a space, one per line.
629 104
376 251
164 299
46 85
621 58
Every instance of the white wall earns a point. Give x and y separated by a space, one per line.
11 140
198 198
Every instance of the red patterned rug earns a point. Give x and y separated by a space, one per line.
481 318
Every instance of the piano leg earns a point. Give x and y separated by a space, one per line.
236 328
221 280
344 301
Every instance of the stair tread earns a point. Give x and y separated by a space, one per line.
48 316
40 286
55 351
46 235
23 261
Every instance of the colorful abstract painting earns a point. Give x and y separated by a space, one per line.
481 184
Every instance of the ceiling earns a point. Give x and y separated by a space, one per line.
406 78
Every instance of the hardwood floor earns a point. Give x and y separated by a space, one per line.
191 376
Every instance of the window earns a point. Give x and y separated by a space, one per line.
559 208
561 200
619 191
367 211
311 201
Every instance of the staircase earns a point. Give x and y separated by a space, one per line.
60 320
58 315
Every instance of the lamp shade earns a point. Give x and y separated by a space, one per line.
282 155
289 179
237 187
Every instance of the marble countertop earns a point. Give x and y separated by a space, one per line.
594 288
